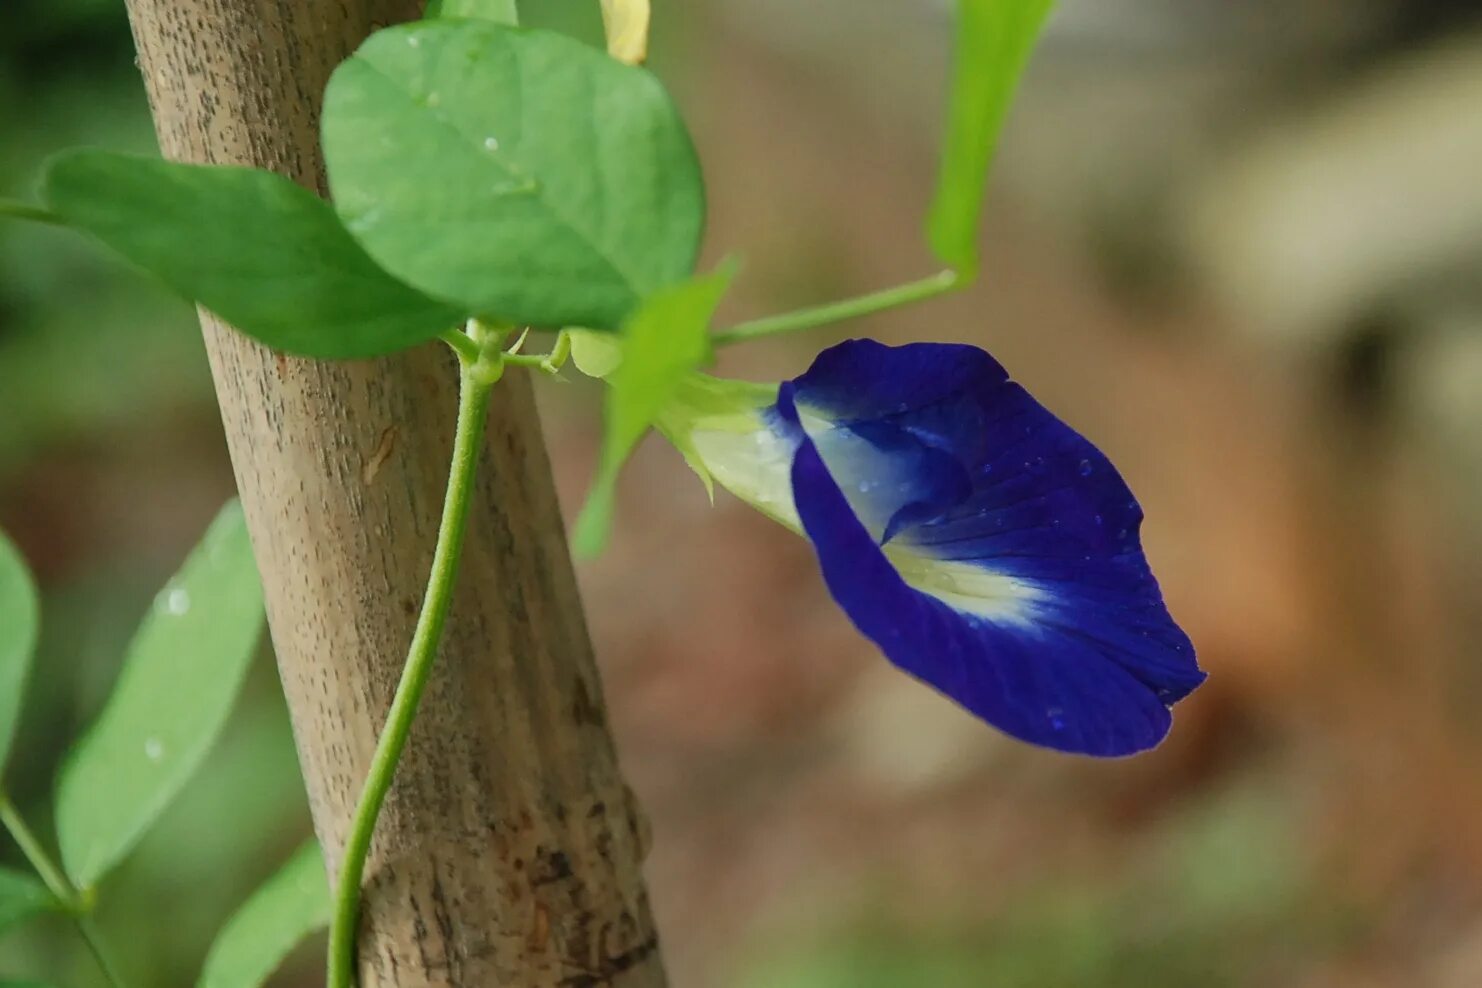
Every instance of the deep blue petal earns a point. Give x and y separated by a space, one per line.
1059 635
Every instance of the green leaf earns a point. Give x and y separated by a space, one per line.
265 254
521 174
595 354
662 345
180 677
994 39
20 615
292 904
22 897
499 11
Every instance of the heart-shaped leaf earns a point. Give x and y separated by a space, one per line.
519 174
265 254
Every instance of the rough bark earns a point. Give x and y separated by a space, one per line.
510 849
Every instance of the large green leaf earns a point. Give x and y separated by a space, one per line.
22 897
519 174
265 254
662 344
179 680
287 908
19 617
501 11
994 39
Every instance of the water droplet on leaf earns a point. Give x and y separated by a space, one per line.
176 602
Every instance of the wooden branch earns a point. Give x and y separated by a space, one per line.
509 853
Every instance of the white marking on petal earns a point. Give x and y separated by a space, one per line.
751 461
876 483
967 587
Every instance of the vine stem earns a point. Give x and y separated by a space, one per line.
849 308
56 883
26 211
475 382
94 941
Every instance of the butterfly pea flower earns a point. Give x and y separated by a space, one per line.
982 544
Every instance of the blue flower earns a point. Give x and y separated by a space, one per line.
985 546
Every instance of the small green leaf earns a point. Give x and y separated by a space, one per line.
22 897
265 254
180 677
20 615
292 904
499 11
595 354
662 345
521 174
994 39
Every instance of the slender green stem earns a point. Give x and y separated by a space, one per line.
475 383
94 941
560 353
49 873
849 308
25 211
462 344
546 363
56 882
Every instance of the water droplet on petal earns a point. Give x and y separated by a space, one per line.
1057 717
491 144
176 602
153 749
1086 468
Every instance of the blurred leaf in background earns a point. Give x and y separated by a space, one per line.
19 614
179 681
292 904
21 897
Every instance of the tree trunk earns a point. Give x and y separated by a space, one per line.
509 852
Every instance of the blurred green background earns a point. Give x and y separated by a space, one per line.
1236 244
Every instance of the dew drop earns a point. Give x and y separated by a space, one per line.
177 602
491 144
414 41
1057 717
153 749
1085 468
